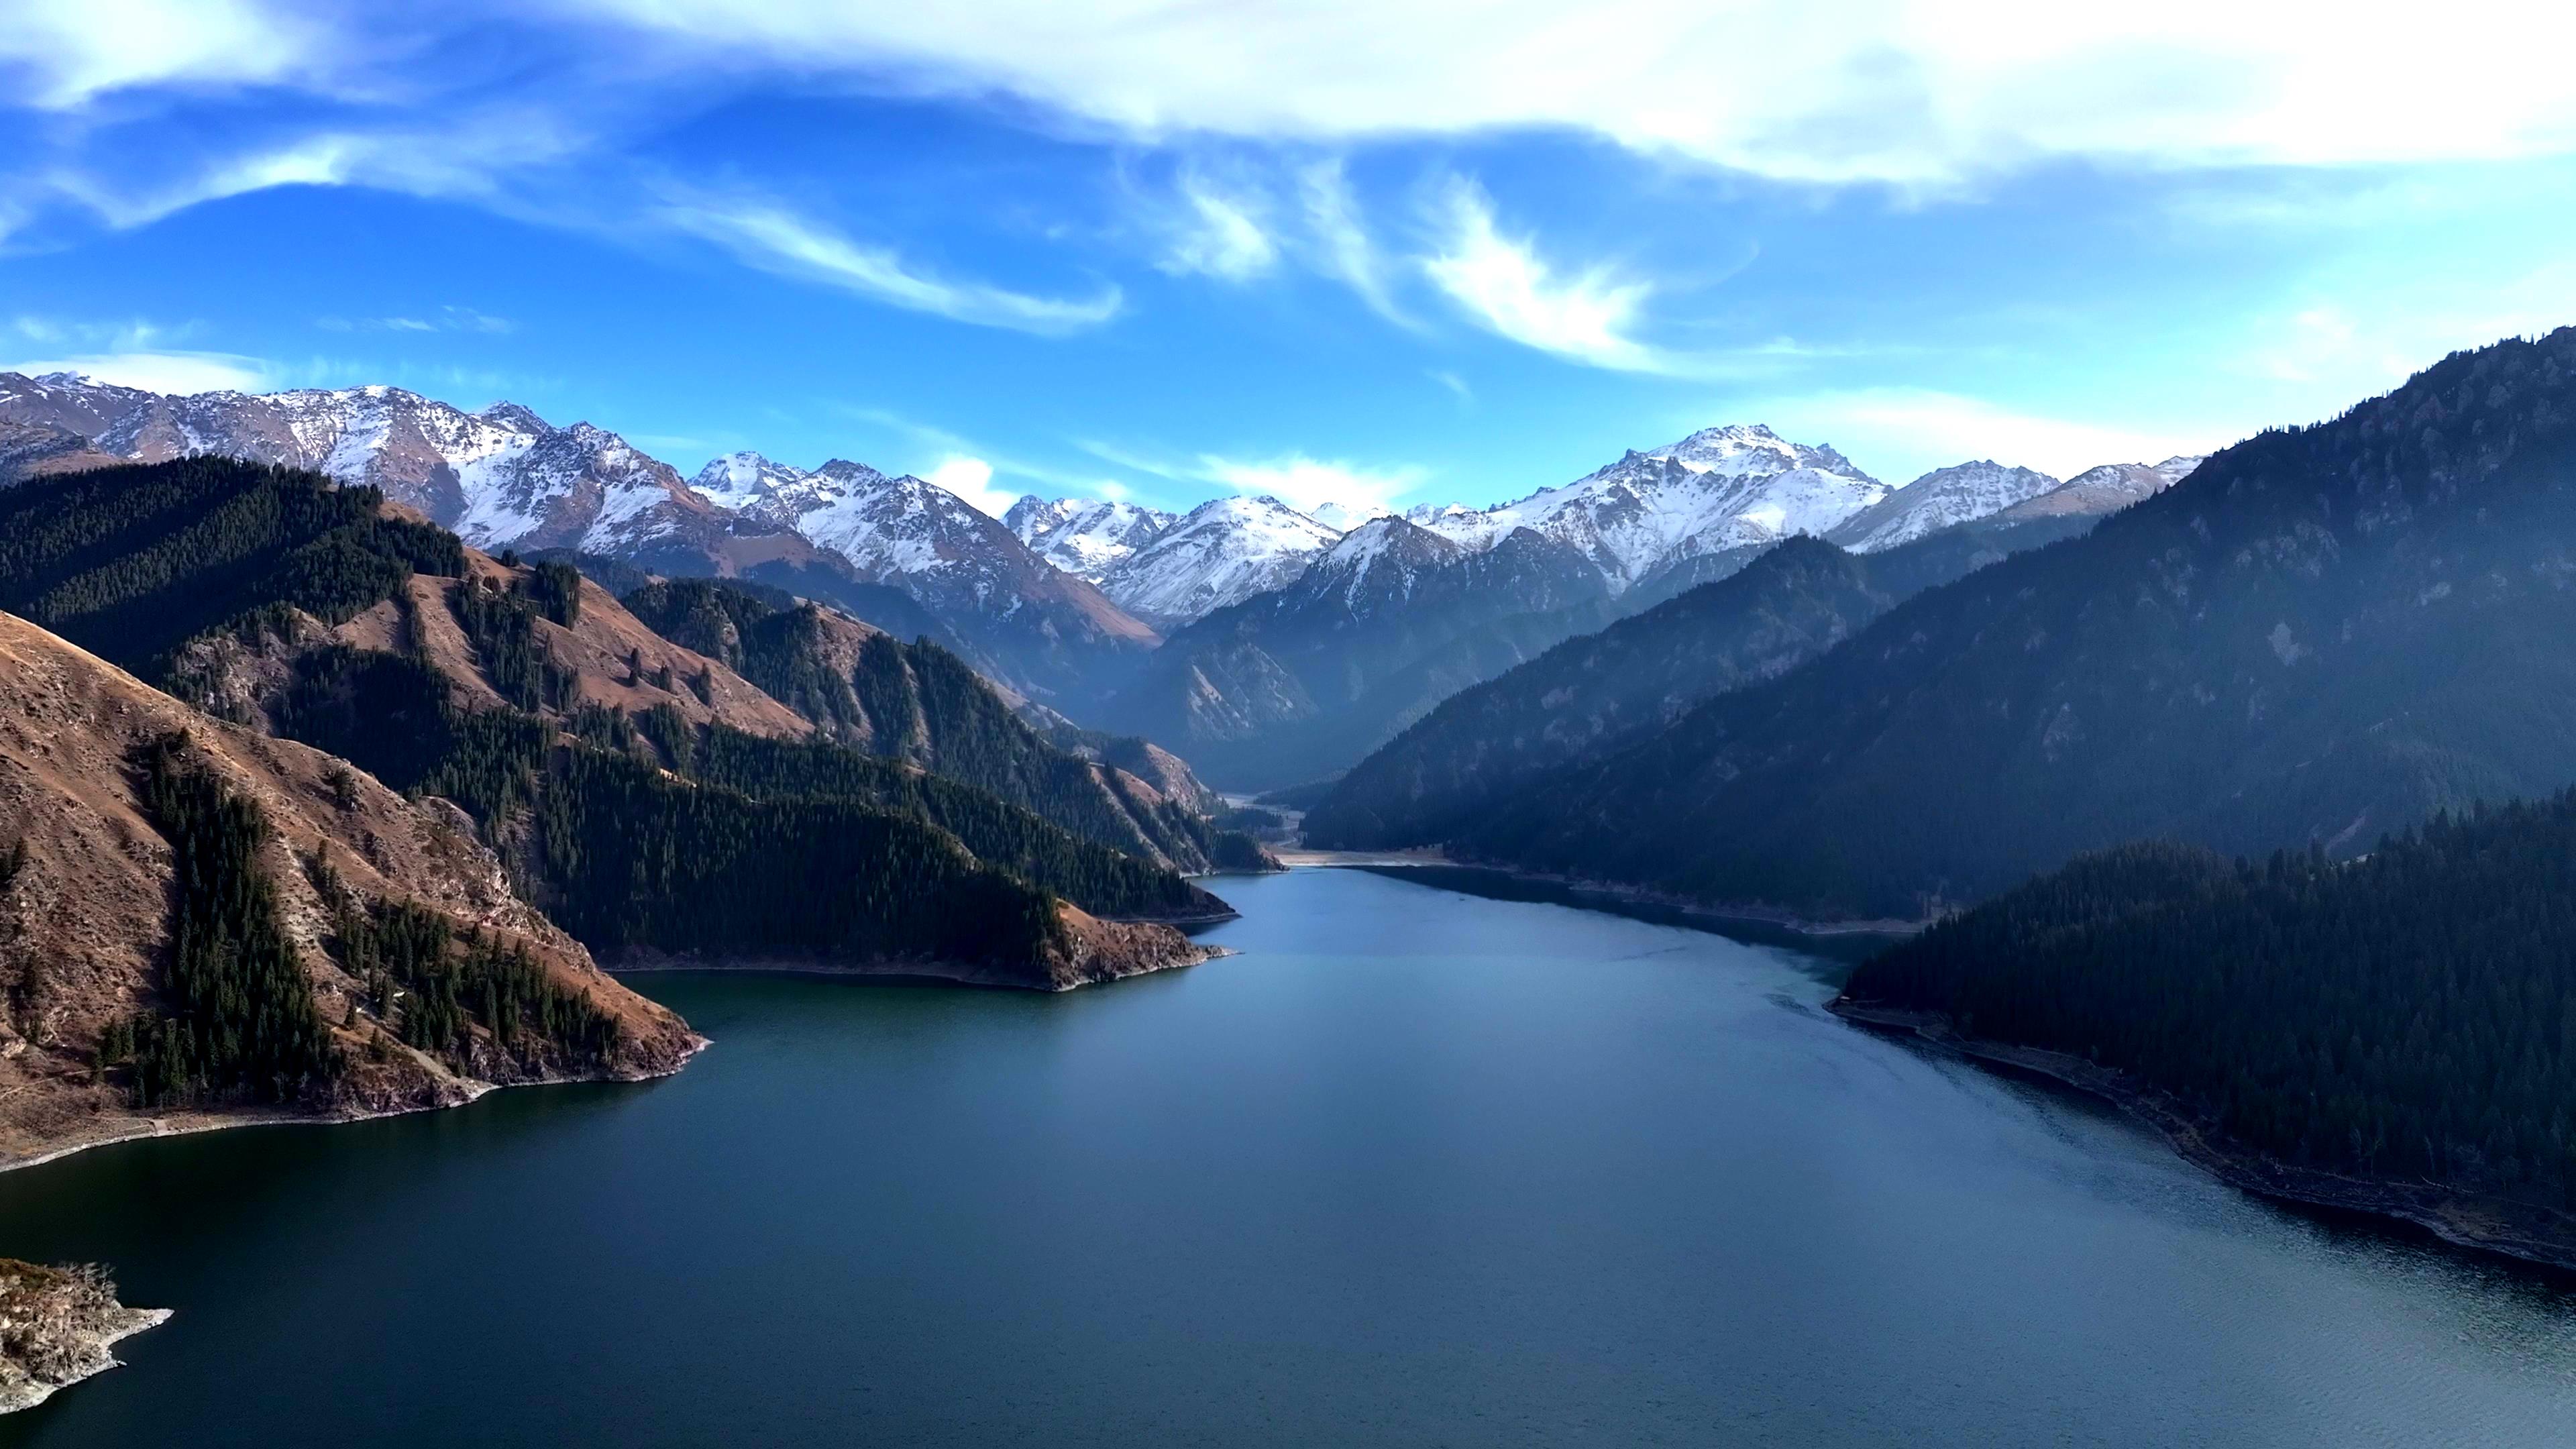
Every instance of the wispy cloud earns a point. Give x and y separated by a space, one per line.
951 446
172 372
1504 287
1343 246
132 353
1915 92
768 235
1307 483
1294 478
73 51
1222 235
1902 432
445 319
1454 383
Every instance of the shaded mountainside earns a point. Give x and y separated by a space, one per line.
1597 693
1592 693
1300 682
920 704
118 805
546 709
2321 634
32 450
2396 1033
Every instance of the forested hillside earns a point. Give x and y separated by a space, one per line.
2410 1015
135 560
2323 634
1598 692
1587 695
196 919
515 691
921 704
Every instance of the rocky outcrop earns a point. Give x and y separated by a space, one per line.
1107 950
57 1326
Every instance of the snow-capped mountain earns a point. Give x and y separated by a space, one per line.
1299 681
1223 551
1718 491
1945 496
1085 537
1023 618
2106 489
1376 565
1343 517
502 476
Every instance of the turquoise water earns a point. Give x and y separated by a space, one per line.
1414 1168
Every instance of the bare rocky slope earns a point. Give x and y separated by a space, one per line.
83 913
57 1327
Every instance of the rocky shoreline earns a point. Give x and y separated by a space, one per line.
2524 1232
59 1326
108 1129
948 973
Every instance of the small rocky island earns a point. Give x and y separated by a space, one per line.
56 1327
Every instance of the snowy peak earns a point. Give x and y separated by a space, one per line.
1032 516
1343 517
1219 553
1940 499
1085 537
2106 489
1720 491
514 417
743 481
2178 467
1377 565
500 476
1748 450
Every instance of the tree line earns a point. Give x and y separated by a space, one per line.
2410 1014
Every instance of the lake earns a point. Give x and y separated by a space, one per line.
1416 1167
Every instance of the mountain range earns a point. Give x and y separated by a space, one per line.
1066 602
2317 636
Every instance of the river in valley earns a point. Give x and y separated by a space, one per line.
1415 1167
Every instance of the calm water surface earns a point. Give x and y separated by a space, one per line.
1415 1168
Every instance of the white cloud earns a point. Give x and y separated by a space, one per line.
445 319
1343 247
172 372
775 239
76 50
972 480
1918 92
2376 335
1454 383
1307 484
1901 433
1223 238
1505 287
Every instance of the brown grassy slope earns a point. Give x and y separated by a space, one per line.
618 660
83 920
32 450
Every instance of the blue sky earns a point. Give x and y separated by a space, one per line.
1415 252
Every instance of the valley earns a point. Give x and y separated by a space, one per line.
385 800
